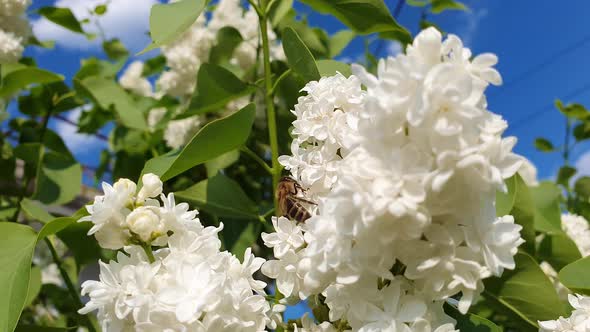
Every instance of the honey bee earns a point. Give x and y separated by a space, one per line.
289 203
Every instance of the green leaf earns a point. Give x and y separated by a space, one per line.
16 248
20 79
74 235
278 10
339 41
470 322
213 140
228 38
525 292
114 49
518 202
544 145
154 65
574 111
362 16
558 250
35 210
107 93
34 286
565 174
35 328
575 276
54 226
61 16
299 57
239 235
546 197
225 160
330 67
100 10
169 21
582 131
59 179
582 186
217 87
439 6
220 196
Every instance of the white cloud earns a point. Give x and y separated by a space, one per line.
583 164
394 48
473 18
75 141
127 20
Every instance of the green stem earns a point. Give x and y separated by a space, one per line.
270 112
269 100
148 251
27 179
69 284
256 158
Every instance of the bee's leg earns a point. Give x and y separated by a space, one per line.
304 200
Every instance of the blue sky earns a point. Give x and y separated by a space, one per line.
543 50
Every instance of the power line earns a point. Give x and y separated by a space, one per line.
540 66
542 111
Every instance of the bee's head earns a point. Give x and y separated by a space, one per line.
287 179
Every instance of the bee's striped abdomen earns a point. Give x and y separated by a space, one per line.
294 210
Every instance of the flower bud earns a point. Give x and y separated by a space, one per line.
125 188
152 187
145 223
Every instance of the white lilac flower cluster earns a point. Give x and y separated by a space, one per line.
579 321
185 56
405 175
187 285
14 29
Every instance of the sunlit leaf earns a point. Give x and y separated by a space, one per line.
16 252
575 276
213 140
525 292
331 67
22 78
168 21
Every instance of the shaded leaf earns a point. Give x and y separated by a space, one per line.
565 174
543 145
299 57
362 16
225 160
62 17
470 322
59 180
74 235
228 38
115 49
439 6
558 250
582 186
213 140
220 196
574 111
217 87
